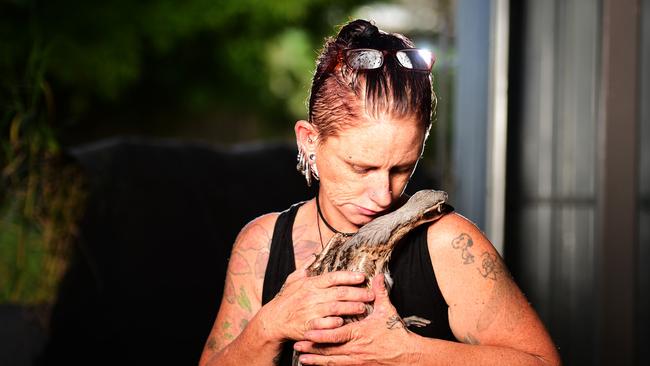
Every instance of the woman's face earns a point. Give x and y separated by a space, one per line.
365 168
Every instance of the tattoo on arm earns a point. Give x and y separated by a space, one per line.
225 328
213 345
242 324
464 242
262 259
395 322
238 264
489 266
229 291
243 300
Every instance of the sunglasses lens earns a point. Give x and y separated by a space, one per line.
416 59
364 59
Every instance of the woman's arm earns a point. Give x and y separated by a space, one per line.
245 333
486 308
236 330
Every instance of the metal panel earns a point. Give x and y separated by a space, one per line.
537 119
470 106
644 185
535 275
552 202
497 123
617 192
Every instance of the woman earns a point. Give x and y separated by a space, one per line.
369 116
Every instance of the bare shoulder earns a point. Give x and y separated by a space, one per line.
250 252
452 227
256 232
463 259
465 262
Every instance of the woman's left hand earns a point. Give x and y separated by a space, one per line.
380 338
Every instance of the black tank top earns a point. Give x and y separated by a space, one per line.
415 290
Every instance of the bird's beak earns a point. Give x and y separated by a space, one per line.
433 212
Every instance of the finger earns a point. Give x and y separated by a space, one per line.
337 308
380 291
298 273
379 284
339 335
312 359
315 348
329 322
349 293
338 278
303 346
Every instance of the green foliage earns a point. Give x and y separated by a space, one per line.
40 198
70 68
190 58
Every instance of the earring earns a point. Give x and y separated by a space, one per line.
304 166
314 169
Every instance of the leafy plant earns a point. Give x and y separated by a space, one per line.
71 69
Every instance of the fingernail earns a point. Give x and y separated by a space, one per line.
358 276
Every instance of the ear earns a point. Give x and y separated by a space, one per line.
306 136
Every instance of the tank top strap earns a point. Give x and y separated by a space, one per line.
281 259
280 265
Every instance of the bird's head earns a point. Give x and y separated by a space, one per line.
426 205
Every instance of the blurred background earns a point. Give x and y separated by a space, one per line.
138 137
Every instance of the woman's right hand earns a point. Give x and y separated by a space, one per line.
308 303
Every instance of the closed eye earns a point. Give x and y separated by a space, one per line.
360 169
403 170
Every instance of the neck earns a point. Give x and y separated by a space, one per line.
329 226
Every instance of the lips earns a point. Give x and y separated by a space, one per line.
367 212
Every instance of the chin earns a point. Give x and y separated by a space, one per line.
360 219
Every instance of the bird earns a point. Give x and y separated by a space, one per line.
369 250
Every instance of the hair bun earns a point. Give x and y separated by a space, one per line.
355 31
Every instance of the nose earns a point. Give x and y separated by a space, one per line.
380 191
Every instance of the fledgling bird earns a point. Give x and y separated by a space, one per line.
368 251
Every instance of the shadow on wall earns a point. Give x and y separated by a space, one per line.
146 275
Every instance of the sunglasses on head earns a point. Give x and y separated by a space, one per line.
415 59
